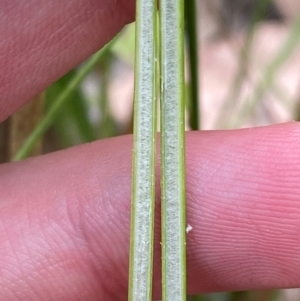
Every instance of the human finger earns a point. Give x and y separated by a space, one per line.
65 217
42 40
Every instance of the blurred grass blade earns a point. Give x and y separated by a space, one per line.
53 110
192 45
4 138
72 123
107 127
270 72
173 150
15 130
23 122
143 193
197 298
243 65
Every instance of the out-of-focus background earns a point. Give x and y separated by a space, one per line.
249 76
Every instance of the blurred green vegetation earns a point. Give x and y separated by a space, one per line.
86 115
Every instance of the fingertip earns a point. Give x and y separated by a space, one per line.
42 40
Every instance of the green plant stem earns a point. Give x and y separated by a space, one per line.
192 45
143 192
56 105
173 151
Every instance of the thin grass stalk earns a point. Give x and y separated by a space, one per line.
244 59
192 46
270 72
23 122
73 115
143 192
15 130
53 110
198 298
4 141
173 151
107 126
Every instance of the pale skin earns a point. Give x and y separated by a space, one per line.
64 230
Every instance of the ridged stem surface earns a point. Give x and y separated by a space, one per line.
173 150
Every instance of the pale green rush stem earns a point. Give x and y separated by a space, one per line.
143 193
52 112
173 151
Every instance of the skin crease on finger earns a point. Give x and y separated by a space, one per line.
65 217
42 40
